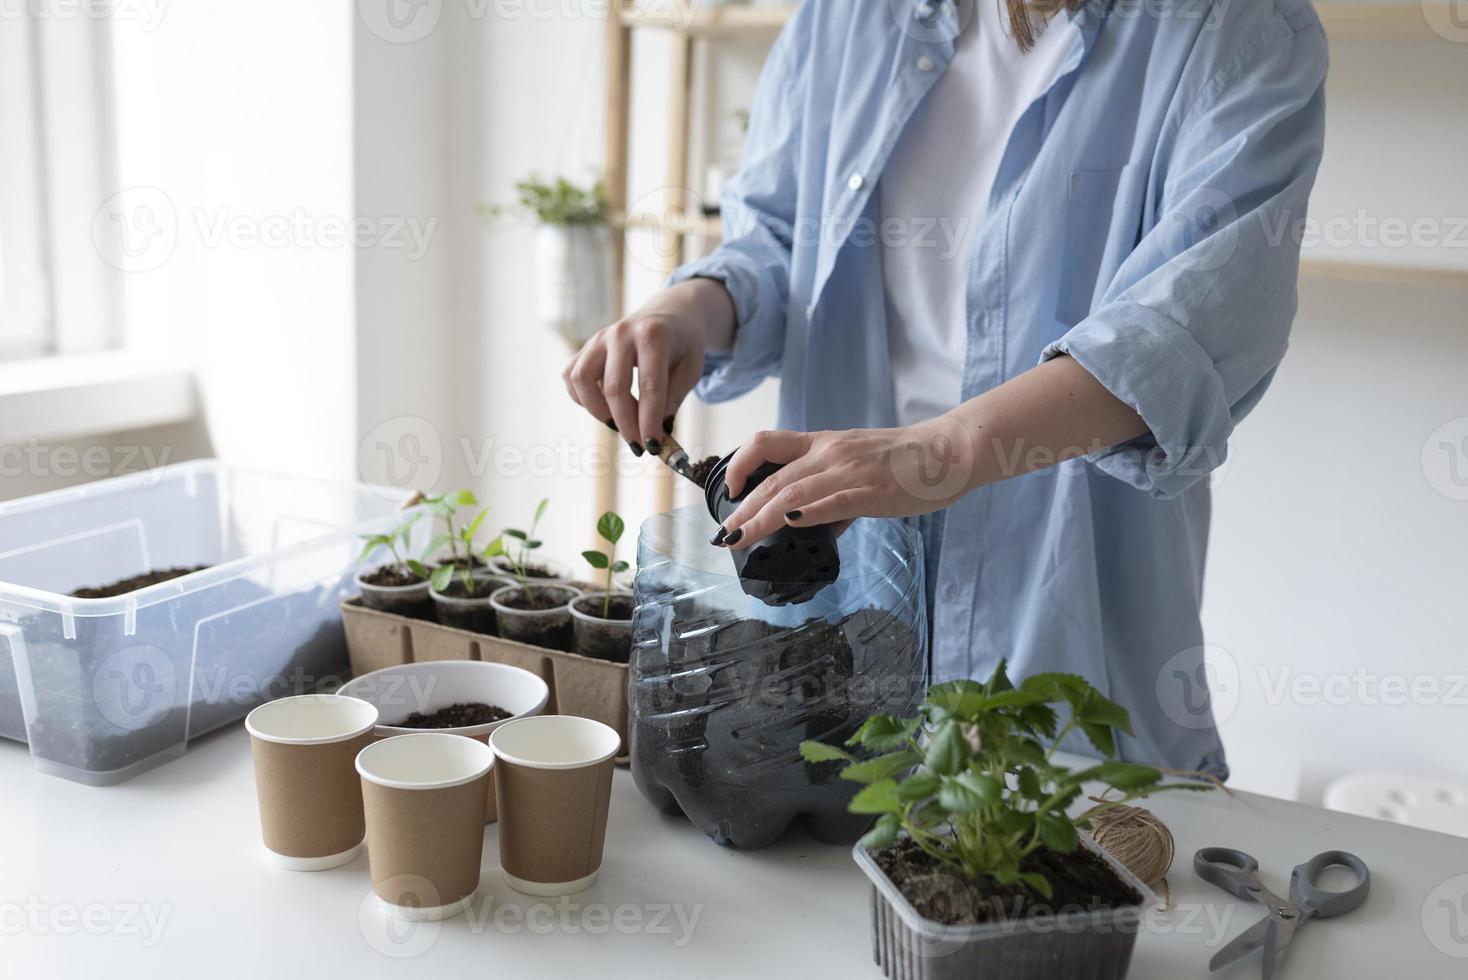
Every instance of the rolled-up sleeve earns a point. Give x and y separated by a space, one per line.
1198 317
758 208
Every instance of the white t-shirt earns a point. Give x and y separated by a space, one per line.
934 196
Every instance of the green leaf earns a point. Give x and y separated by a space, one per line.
879 797
495 548
472 527
610 526
919 786
442 576
619 566
881 767
812 751
417 568
1101 737
540 508
1056 833
883 733
1029 784
1125 775
463 498
968 792
516 534
1000 680
595 559
947 753
962 698
532 544
1037 882
883 833
438 542
1013 821
1096 710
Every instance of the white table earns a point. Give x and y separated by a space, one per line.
163 877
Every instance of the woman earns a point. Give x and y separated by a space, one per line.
1021 272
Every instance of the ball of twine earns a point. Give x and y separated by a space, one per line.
1138 840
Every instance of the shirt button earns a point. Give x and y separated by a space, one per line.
856 183
926 63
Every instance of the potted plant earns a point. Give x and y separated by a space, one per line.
603 618
534 612
400 586
460 589
977 868
573 254
519 566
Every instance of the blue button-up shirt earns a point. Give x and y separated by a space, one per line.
1144 220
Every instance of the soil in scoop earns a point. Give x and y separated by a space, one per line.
1079 880
391 577
699 471
135 583
464 715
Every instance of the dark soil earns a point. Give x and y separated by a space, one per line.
482 590
619 608
135 583
391 577
465 715
699 471
1080 880
530 600
719 709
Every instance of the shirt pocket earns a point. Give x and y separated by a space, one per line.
1103 223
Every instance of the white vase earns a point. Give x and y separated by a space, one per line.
573 265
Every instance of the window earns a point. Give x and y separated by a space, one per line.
25 300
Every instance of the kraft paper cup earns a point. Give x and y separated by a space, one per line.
424 795
430 686
310 798
553 775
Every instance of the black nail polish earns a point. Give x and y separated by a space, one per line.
734 537
668 424
792 515
610 425
718 538
636 447
654 447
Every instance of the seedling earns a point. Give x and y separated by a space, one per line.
609 528
971 781
528 543
396 542
458 540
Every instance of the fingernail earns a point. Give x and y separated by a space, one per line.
718 538
734 537
668 424
636 447
654 447
792 515
610 425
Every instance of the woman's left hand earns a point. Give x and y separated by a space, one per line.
836 477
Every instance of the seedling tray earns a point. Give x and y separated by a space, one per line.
595 689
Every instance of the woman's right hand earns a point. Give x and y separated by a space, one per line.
664 343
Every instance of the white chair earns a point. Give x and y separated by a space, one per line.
1415 799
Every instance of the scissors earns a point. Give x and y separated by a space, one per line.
1238 874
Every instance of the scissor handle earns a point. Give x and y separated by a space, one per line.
1232 870
1321 902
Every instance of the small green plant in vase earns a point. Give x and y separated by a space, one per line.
971 806
402 570
519 559
537 609
604 619
464 556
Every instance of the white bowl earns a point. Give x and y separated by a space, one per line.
399 691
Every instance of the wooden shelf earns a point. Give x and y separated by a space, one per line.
1343 21
709 21
1384 274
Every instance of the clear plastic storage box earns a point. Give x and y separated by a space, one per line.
103 689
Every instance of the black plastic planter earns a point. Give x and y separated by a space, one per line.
457 608
542 618
405 600
601 637
1080 944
